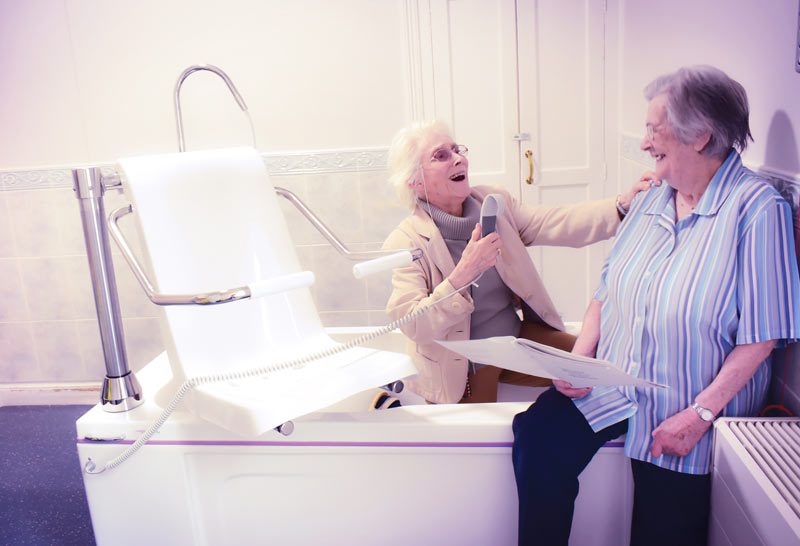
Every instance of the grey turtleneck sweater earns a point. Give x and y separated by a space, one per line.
494 313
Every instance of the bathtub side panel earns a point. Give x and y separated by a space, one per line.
354 495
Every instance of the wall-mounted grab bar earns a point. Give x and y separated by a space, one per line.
177 99
328 234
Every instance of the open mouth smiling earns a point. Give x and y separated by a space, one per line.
458 177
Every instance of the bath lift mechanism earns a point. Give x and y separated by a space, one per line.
121 391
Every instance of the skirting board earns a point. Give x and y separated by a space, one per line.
49 394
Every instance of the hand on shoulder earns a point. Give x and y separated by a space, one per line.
645 182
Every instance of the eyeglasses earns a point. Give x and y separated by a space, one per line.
444 154
652 130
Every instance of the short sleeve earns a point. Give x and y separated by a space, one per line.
768 289
601 292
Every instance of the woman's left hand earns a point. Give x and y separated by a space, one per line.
678 434
645 182
566 388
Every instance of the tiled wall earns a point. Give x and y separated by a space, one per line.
48 325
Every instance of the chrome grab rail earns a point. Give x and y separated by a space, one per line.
235 92
329 235
254 290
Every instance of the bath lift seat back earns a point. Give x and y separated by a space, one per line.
210 219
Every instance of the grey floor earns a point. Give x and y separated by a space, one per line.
42 500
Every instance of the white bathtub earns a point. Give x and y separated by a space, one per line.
421 474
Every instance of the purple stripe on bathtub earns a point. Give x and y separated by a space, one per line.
255 443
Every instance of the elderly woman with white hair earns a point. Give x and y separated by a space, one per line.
700 285
431 174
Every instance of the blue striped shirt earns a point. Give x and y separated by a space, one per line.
677 297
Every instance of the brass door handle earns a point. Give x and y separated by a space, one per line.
529 155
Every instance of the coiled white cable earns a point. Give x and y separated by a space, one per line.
91 468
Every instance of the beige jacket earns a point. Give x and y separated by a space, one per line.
442 373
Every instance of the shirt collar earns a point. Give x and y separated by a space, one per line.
720 186
712 199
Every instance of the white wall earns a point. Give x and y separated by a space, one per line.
91 80
754 42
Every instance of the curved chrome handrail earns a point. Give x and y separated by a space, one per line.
340 247
235 92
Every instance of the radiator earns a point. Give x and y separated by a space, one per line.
755 484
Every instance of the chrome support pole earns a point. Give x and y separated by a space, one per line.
121 390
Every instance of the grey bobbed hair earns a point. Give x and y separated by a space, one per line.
405 155
702 99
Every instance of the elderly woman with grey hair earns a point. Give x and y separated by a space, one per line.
700 285
431 174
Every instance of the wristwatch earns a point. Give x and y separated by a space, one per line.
620 209
705 414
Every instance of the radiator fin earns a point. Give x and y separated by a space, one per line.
774 445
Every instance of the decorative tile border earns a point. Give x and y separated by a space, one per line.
278 164
333 161
35 180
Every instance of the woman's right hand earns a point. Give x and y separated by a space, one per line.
478 256
566 388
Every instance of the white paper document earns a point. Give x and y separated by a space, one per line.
529 357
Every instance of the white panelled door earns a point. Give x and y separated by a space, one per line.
475 84
522 84
561 89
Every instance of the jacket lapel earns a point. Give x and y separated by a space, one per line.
436 247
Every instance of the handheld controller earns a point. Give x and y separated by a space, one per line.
493 206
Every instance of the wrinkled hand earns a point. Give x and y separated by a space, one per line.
478 256
566 388
645 182
678 434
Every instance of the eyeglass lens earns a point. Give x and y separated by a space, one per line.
444 154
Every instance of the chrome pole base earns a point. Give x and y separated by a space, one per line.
121 393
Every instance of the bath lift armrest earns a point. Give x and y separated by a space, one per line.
252 290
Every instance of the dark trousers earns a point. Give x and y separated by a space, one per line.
669 507
553 443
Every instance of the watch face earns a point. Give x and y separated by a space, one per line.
705 414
